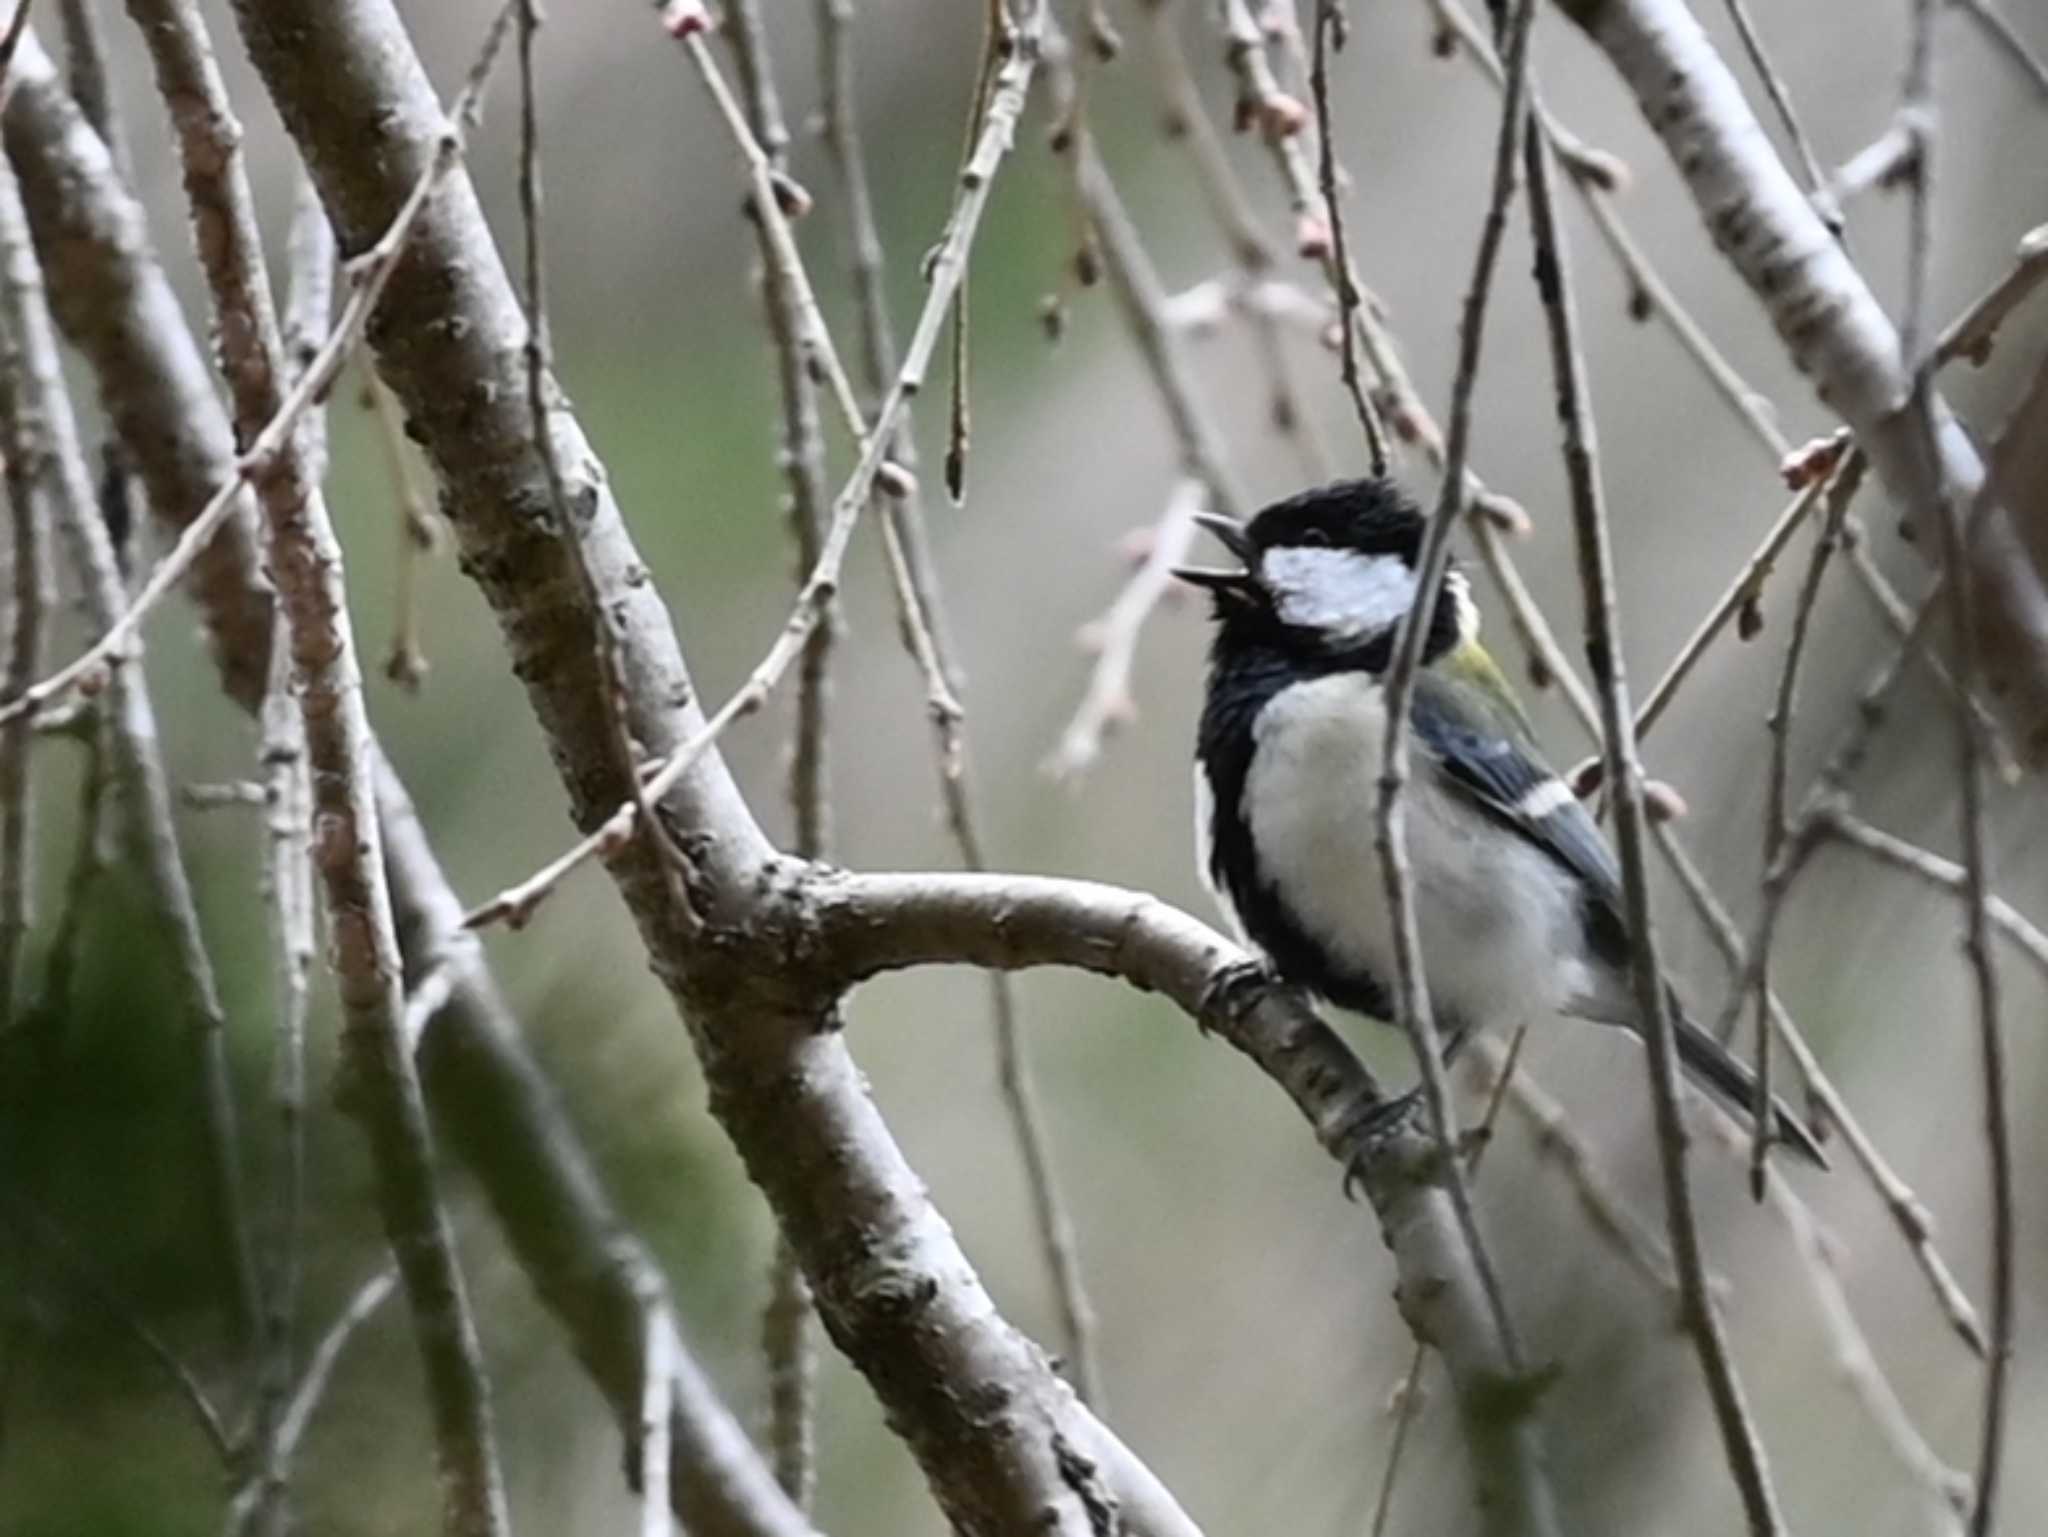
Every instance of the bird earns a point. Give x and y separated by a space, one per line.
1518 899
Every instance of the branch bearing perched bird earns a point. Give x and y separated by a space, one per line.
1517 896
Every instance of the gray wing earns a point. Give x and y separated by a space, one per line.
1496 772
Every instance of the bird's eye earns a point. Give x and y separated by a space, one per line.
1314 539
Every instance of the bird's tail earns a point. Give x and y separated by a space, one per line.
1730 1081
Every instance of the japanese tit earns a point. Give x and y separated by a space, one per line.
1517 897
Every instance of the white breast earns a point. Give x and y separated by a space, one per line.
1499 929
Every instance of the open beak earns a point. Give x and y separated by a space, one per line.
1231 535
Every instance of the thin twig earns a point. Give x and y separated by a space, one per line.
787 1344
366 276
2004 36
66 492
1918 114
1740 1439
89 860
1407 1395
1971 334
383 1086
1326 21
287 795
1781 103
1947 1490
539 384
312 1386
1106 704
1842 486
1908 1214
1141 297
419 531
687 22
1846 827
29 599
1412 986
1187 121
1898 617
914 582
1738 598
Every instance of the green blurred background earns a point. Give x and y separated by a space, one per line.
1248 1332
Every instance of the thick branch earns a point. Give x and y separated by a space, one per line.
862 925
1001 1439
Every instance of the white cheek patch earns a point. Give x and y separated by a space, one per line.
1343 593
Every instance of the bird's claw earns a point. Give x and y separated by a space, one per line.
1232 990
1359 1138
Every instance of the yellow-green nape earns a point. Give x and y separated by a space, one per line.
1472 667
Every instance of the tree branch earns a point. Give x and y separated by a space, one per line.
382 1086
1830 322
892 1285
1740 1439
485 1093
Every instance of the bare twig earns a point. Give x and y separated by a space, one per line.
1886 161
2005 37
1842 486
1412 993
266 1489
1595 177
306 564
1738 598
287 795
1769 231
367 275
1135 284
915 584
1851 830
488 1098
320 1366
1187 121
1898 617
1781 103
1918 113
89 858
786 1338
1971 334
1326 21
28 599
1947 1490
1740 1439
539 380
1908 1214
1531 1494
1106 704
58 462
419 532
516 904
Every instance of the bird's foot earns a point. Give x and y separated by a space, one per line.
1359 1138
1233 990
